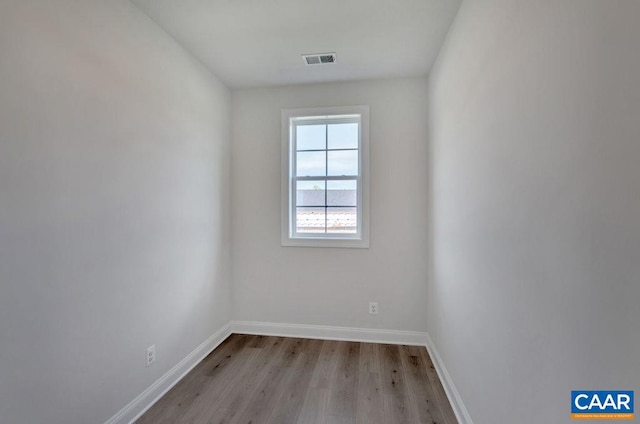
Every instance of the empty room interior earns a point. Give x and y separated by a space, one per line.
297 211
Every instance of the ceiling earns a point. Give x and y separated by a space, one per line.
254 43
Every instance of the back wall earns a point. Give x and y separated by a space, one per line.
329 286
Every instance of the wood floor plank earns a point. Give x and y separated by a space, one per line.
219 358
279 380
369 358
393 382
345 382
182 398
370 402
337 419
315 407
420 389
262 400
326 365
289 406
209 403
397 409
234 401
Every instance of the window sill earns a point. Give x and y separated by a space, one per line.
326 242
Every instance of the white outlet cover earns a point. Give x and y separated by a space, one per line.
151 355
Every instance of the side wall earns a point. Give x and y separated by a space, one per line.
114 154
535 205
328 286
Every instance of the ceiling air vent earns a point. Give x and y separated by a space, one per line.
319 58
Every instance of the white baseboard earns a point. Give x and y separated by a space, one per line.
447 383
415 338
151 395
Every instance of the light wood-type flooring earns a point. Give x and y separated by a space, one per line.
282 380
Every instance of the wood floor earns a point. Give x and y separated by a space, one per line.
259 379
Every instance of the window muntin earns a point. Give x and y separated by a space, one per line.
324 185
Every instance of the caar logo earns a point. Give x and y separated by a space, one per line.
602 405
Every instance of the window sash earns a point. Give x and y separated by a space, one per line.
294 122
293 227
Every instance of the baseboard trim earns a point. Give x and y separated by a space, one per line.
447 383
368 335
151 395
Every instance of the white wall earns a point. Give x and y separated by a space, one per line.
535 198
114 147
321 286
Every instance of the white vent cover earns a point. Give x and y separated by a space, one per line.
319 58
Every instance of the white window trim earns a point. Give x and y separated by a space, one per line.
286 197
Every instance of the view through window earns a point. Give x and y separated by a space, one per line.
326 176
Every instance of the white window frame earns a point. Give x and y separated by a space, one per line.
289 236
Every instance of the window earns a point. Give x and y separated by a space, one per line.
325 188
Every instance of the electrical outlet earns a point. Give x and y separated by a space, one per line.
373 308
151 355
